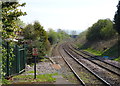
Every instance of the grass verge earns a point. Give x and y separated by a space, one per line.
112 52
43 78
95 52
40 78
118 59
32 72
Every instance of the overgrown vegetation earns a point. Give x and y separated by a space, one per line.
100 39
36 36
117 27
39 78
10 16
5 81
117 19
101 30
93 51
55 37
117 59
110 52
23 79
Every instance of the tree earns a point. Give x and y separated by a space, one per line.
62 34
55 37
94 31
107 31
117 25
36 33
41 37
103 29
52 36
117 19
20 23
10 13
28 32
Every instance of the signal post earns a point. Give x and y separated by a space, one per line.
35 54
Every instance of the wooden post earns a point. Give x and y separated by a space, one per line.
35 53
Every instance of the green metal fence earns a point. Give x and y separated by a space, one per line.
17 64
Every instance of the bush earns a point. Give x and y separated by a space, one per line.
103 29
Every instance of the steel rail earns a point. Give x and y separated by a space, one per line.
96 63
93 56
77 76
108 84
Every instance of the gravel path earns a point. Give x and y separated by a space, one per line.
42 68
49 68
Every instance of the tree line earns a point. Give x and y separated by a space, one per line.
104 28
41 39
101 30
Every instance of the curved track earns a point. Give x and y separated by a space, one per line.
110 67
90 74
112 77
97 58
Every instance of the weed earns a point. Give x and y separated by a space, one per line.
32 72
39 78
5 81
93 51
117 59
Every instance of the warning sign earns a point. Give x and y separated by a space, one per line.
34 51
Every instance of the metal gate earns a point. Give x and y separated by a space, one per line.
17 64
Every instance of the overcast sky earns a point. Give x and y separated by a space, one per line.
68 14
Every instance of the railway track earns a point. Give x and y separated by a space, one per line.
77 76
82 72
112 77
56 59
109 62
110 67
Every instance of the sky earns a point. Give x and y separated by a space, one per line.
69 15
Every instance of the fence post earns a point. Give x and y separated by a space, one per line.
24 54
18 58
7 63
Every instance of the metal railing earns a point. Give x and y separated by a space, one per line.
16 64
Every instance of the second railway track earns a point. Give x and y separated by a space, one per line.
110 76
109 62
110 67
83 73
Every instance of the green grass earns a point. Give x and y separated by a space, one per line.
117 59
110 52
95 52
5 81
44 60
39 78
32 72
